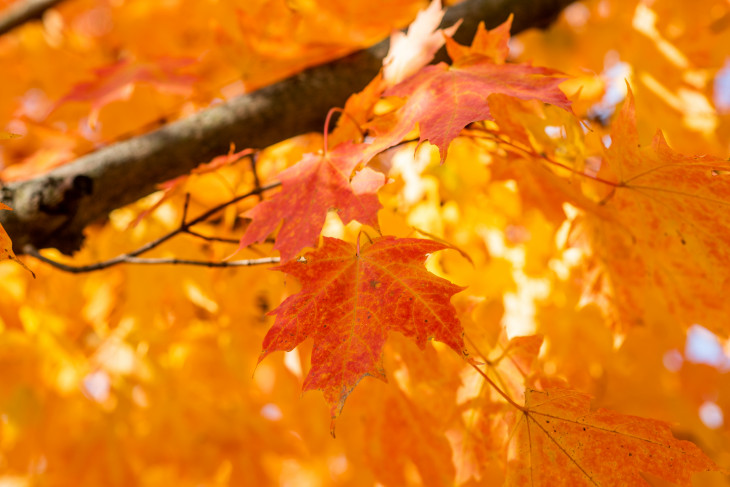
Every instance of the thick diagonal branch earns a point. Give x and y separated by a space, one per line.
53 209
23 11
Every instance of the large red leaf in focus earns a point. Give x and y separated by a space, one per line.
444 99
310 188
349 302
560 441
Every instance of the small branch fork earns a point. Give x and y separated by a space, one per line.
185 227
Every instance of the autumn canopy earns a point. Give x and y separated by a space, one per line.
496 245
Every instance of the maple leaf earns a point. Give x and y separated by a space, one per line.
357 111
444 99
547 178
663 243
310 188
6 245
411 51
560 441
116 82
490 43
349 302
406 432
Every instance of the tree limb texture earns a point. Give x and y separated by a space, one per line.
51 210
23 11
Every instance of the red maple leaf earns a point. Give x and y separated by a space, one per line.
444 99
310 188
351 299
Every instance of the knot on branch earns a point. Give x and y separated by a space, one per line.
61 196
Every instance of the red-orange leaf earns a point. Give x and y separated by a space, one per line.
560 441
444 99
349 302
310 189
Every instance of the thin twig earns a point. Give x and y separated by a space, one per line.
132 257
185 210
212 239
184 228
254 171
496 387
533 153
256 119
124 259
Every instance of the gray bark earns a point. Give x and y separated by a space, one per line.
21 12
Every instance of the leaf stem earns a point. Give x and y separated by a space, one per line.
327 127
533 153
496 387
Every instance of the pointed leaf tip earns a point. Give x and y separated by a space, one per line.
349 303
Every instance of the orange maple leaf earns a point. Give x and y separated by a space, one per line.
560 441
6 245
493 43
444 99
351 299
116 82
310 188
664 243
402 433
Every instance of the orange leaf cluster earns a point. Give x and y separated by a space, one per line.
553 308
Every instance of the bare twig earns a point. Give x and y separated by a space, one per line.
185 210
124 259
212 239
254 170
23 11
132 257
53 209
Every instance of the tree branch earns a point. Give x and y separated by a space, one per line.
52 210
21 12
32 251
185 225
